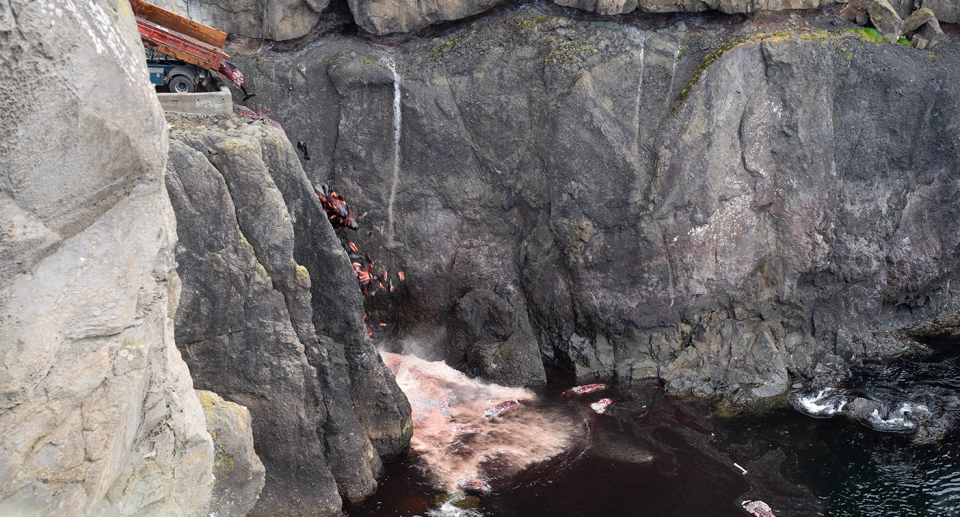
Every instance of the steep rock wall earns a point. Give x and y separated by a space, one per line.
271 316
97 411
770 219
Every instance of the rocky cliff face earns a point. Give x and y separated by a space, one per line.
271 316
97 411
268 19
723 211
288 19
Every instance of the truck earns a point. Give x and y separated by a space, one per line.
182 53
178 75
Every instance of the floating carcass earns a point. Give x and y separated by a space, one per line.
601 405
466 429
583 390
501 408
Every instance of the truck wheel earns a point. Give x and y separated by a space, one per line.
180 84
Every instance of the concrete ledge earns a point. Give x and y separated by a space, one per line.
204 103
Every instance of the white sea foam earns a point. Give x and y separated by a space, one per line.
824 403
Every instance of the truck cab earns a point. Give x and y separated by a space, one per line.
178 76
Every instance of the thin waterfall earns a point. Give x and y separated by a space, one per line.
397 120
636 143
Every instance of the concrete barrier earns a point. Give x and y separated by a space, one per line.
201 103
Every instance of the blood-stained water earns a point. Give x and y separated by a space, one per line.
468 433
650 454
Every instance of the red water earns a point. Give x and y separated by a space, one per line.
647 455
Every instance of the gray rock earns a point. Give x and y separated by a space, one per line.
236 467
860 408
491 336
946 11
932 32
883 16
252 328
386 16
268 19
924 23
96 405
917 19
692 224
514 362
350 70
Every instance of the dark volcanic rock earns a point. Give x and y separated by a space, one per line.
491 336
711 226
254 248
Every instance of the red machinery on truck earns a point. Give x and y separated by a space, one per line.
186 40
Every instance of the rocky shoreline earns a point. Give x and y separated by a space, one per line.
730 205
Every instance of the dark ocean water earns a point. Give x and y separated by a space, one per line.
654 455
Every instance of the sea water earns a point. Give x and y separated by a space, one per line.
655 455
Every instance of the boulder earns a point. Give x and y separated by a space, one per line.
270 19
914 21
514 362
96 405
350 70
924 27
946 11
883 16
490 336
236 467
381 17
932 32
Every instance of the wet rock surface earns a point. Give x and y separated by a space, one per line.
271 316
915 395
707 205
97 411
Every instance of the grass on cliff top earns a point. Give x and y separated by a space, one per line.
871 34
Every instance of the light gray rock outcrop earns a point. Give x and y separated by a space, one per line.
97 410
267 19
237 469
387 16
